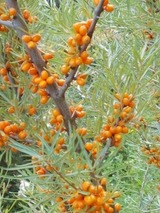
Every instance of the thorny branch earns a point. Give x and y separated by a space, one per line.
73 72
56 93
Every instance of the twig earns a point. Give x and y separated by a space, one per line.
6 23
103 154
73 72
62 177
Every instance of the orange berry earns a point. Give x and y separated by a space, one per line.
117 137
123 115
117 105
30 19
78 61
85 39
79 107
124 129
84 55
85 185
36 37
108 134
103 181
89 146
31 44
42 92
126 95
37 80
118 96
88 23
82 131
109 8
72 50
117 207
72 62
32 110
41 171
106 206
12 12
3 125
83 30
22 134
14 128
4 17
112 129
26 38
80 114
65 69
44 74
50 80
26 14
56 112
99 189
59 118
92 189
89 200
88 60
6 78
77 38
125 101
81 81
97 2
110 200
77 26
26 66
42 84
61 141
99 201
11 110
48 56
23 125
32 71
132 104
118 129
44 99
127 109
60 82
7 129
110 210
3 71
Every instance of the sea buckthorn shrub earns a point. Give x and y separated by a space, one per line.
79 106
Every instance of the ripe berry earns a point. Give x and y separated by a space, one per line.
109 8
85 185
31 44
89 146
22 134
50 80
36 37
26 38
44 74
83 30
12 12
